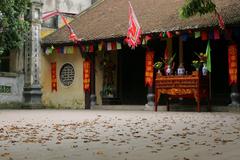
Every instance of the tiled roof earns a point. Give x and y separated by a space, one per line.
109 19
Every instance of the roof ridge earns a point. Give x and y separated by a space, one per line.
108 19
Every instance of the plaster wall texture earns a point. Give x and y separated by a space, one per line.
66 96
16 83
46 31
67 6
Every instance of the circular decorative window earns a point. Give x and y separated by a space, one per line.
67 74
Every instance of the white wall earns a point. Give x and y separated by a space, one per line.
67 6
16 83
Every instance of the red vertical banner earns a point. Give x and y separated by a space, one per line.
54 76
149 68
232 64
86 75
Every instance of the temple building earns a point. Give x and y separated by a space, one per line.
99 68
19 68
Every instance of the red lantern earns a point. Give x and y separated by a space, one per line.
91 48
169 34
204 35
86 75
216 34
161 35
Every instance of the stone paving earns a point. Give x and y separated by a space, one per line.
120 135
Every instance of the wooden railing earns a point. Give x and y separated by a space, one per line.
185 86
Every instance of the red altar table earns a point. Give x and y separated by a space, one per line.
185 86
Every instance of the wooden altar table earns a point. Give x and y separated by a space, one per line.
185 86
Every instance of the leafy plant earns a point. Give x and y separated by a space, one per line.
194 7
106 91
169 61
202 57
196 64
13 27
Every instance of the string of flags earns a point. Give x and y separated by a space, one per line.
84 48
204 35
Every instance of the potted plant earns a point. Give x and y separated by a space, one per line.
202 57
169 63
202 62
159 66
196 64
107 91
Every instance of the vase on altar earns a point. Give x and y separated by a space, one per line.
204 70
168 70
181 71
159 72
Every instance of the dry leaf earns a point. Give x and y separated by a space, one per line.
5 154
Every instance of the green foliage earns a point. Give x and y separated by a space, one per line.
194 7
13 27
106 91
196 64
169 60
158 65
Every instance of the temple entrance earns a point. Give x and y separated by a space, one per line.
132 89
220 85
125 71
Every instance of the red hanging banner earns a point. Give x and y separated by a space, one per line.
54 76
86 75
232 64
149 68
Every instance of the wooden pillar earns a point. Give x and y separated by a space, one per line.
181 69
87 100
86 90
169 46
90 97
233 67
180 52
150 95
92 82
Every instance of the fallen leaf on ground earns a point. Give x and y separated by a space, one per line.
5 154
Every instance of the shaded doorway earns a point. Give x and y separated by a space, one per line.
220 85
132 89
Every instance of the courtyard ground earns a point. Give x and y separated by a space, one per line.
121 135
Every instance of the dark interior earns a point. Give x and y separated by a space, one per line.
132 89
131 69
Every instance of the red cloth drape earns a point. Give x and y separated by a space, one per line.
54 76
86 75
232 64
149 68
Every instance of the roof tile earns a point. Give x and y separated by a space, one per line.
109 19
